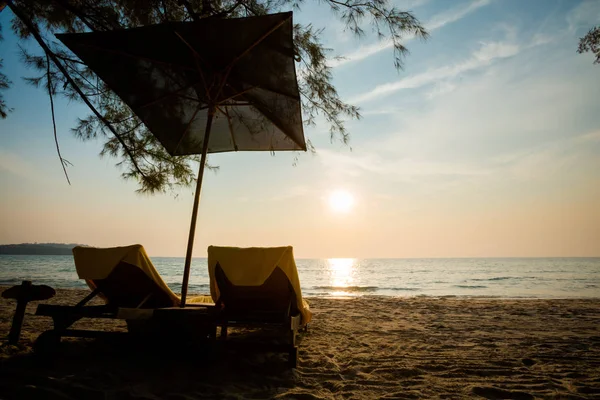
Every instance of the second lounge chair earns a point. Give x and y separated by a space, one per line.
258 287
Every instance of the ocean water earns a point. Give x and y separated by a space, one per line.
490 277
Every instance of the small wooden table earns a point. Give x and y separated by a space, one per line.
192 322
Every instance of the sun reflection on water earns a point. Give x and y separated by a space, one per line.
341 273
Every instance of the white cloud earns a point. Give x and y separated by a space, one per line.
526 122
490 51
495 113
412 4
454 14
437 22
590 137
440 89
541 39
522 125
363 52
484 56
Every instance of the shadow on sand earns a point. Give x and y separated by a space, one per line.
125 369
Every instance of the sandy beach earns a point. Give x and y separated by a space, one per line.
359 348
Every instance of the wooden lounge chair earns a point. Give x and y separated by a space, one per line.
274 304
132 292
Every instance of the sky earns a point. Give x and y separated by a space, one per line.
486 144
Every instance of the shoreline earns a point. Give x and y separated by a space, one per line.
371 295
356 347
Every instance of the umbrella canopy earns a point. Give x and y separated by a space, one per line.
209 86
170 75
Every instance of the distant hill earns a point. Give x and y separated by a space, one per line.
40 249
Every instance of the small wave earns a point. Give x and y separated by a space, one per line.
503 278
195 287
403 289
470 286
498 278
347 288
10 282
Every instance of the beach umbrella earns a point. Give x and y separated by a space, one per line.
209 86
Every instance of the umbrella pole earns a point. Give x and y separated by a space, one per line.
190 246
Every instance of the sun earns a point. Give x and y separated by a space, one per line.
341 201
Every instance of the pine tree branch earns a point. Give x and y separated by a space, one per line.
62 69
225 13
50 94
195 16
65 58
67 6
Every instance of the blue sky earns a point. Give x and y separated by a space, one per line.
487 143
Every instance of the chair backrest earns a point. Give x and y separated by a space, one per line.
274 300
128 286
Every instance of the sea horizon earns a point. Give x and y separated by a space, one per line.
506 277
360 258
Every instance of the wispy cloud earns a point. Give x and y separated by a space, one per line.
550 161
437 22
546 161
495 129
589 137
484 56
511 106
541 39
407 169
441 89
453 15
487 54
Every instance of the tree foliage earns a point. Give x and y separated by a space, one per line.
4 84
591 42
139 154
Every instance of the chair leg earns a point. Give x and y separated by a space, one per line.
293 357
293 352
63 322
224 331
